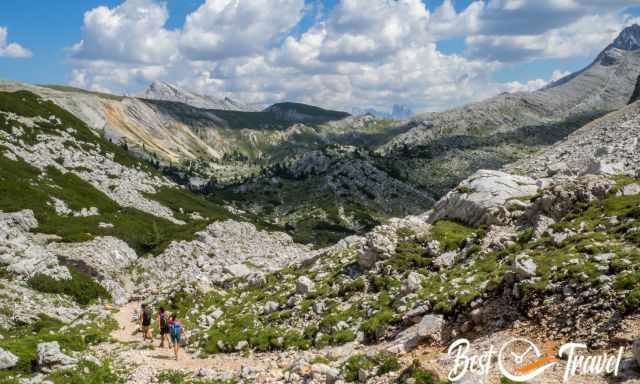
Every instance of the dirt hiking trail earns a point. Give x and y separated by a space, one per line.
148 358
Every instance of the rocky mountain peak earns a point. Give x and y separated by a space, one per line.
628 39
159 86
162 90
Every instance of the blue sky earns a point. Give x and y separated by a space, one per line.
337 53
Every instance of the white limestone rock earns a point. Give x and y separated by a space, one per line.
523 267
7 359
379 245
222 251
50 357
108 259
630 189
304 285
22 252
412 283
482 198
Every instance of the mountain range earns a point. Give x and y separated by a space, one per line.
398 112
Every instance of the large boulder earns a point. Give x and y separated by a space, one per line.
630 189
523 267
379 245
24 253
605 167
304 285
237 270
431 329
412 283
222 251
50 357
482 198
7 359
256 280
330 374
23 220
446 260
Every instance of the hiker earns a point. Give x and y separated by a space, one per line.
175 329
145 323
163 324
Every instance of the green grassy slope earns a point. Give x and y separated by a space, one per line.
24 187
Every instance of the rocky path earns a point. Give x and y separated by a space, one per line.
145 360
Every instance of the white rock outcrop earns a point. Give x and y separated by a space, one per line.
50 357
23 252
224 250
304 285
7 359
107 258
607 146
524 267
482 198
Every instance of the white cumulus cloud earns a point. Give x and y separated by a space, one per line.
579 38
12 50
221 29
359 53
132 32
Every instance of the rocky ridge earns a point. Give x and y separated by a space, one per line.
161 90
608 145
604 86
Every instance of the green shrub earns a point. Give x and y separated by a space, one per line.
525 236
82 288
386 362
87 373
375 327
172 377
265 339
343 336
633 214
464 189
417 375
382 283
410 255
353 365
627 281
450 234
632 300
382 362
356 285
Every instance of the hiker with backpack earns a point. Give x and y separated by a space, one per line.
145 323
175 330
163 323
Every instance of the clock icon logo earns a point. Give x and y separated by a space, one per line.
520 360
